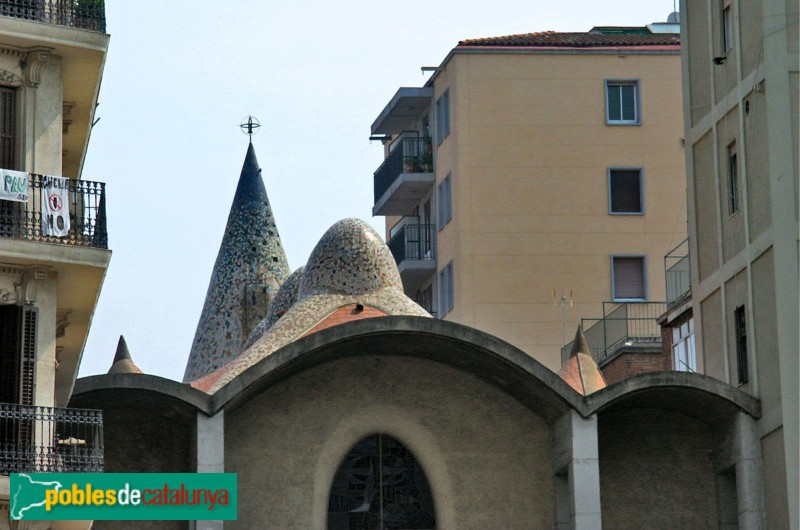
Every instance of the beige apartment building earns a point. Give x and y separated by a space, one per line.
536 167
740 83
53 241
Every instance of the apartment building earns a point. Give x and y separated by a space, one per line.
535 177
53 240
740 85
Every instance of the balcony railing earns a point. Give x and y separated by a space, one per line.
50 440
87 212
413 242
622 325
413 155
678 275
82 14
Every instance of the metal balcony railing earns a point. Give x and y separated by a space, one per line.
678 275
413 242
413 155
623 324
82 14
87 213
50 440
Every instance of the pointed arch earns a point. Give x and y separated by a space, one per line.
380 484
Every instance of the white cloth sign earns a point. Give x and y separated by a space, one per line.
55 206
14 186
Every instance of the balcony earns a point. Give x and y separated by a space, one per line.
628 326
50 440
82 14
414 251
678 275
404 177
87 215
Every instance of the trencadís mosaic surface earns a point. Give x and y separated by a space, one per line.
250 268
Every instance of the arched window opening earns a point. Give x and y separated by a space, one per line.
380 485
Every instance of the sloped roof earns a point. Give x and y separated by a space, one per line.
549 39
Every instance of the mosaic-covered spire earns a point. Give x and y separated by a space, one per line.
250 268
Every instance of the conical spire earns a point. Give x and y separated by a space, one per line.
580 371
250 267
123 364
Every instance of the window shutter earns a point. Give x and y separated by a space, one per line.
626 196
8 128
629 278
28 355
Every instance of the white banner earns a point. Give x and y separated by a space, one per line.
14 185
55 206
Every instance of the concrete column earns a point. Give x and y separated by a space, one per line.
210 454
749 473
576 457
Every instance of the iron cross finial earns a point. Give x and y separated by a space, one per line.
250 126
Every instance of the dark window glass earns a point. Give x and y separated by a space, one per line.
740 323
626 190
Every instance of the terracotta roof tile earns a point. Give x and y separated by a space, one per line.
548 39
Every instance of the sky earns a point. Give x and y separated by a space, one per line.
180 76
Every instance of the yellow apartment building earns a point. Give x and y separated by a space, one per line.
740 85
53 240
531 168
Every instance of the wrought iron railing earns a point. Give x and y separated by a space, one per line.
412 155
678 275
50 440
82 14
413 242
622 324
87 213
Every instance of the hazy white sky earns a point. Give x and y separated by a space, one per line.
179 78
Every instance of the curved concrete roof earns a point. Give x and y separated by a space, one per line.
462 347
695 395
127 386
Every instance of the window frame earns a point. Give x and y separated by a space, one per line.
684 343
726 27
445 290
442 115
444 202
614 296
637 108
740 340
641 190
732 173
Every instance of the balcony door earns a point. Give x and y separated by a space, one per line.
17 354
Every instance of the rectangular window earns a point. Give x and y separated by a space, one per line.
684 358
446 291
625 191
622 102
443 116
733 179
8 128
740 329
628 278
727 29
444 203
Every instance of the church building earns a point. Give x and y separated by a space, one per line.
340 403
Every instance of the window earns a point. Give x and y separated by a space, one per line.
380 485
622 102
8 128
684 358
727 28
443 116
444 205
740 329
446 290
625 191
628 278
733 179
